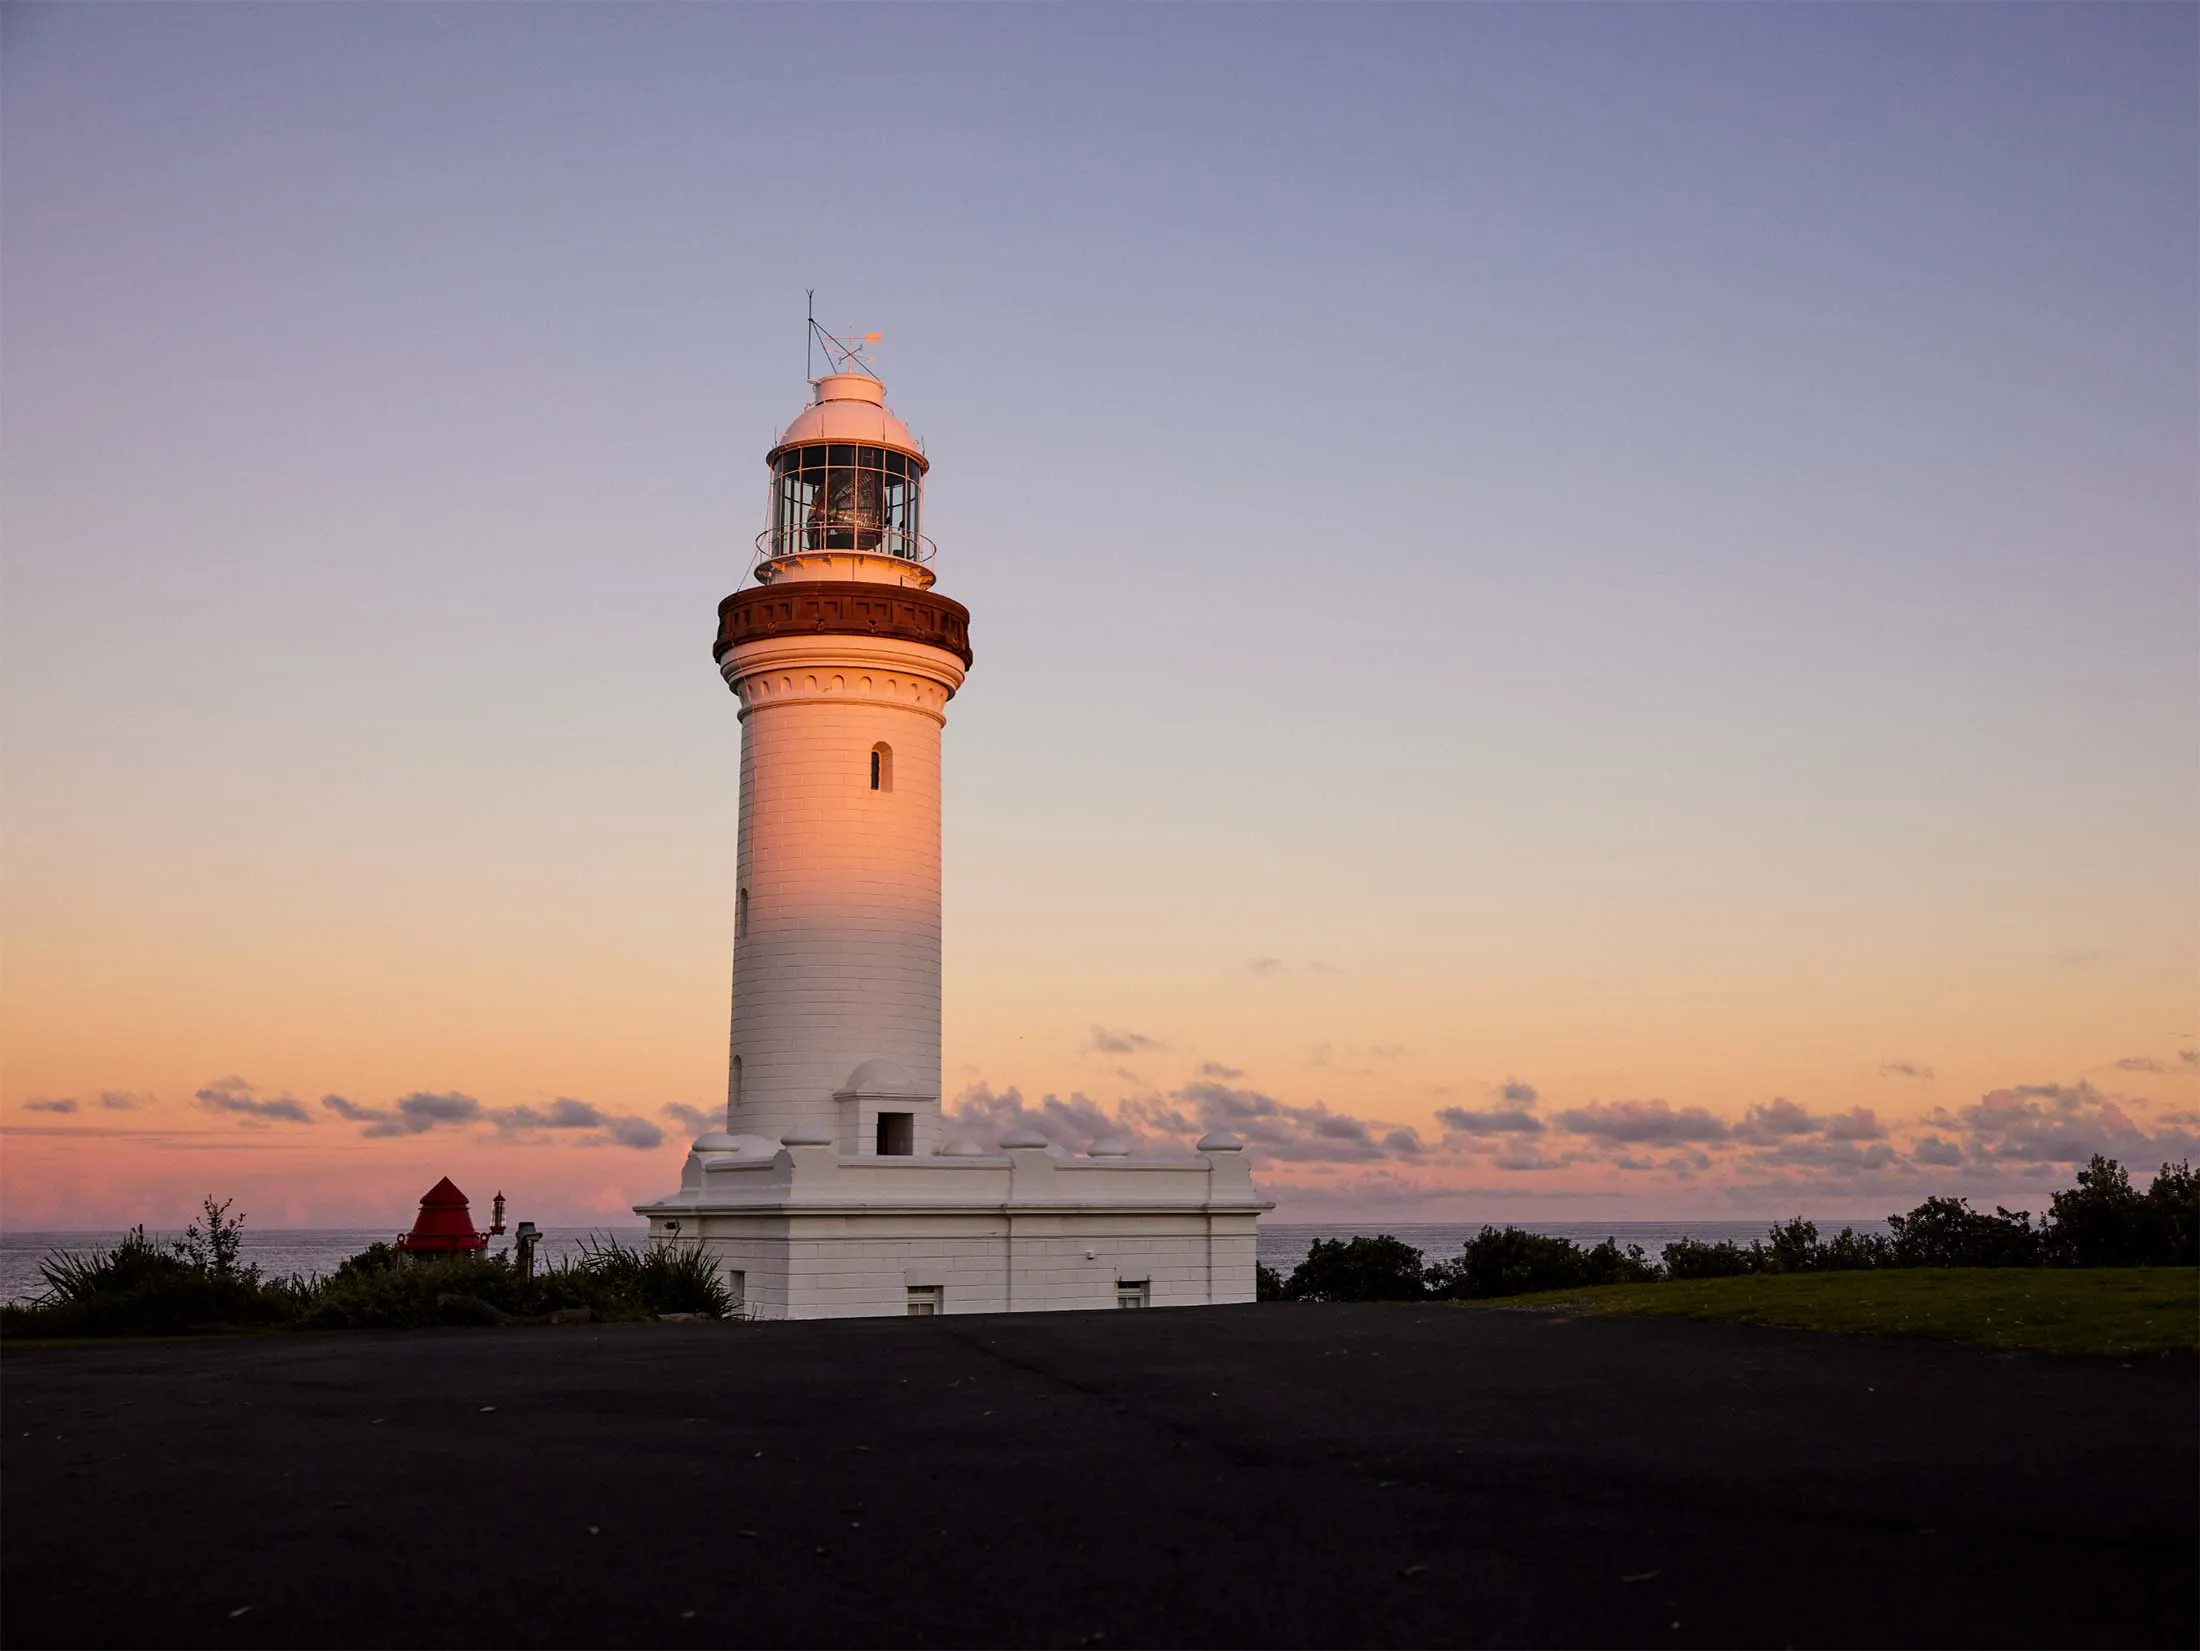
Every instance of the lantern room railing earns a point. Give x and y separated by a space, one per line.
821 538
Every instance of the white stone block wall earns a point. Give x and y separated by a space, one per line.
818 1235
837 950
805 1267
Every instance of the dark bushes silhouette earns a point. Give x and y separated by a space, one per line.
200 1282
2104 1222
1358 1269
1505 1261
1947 1232
140 1288
2101 1222
611 1280
1694 1258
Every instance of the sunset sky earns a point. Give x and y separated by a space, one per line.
1580 611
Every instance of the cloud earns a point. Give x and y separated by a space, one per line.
1215 1069
565 1113
562 1113
1651 1121
1859 1123
1264 965
1905 1069
234 1095
983 1114
2082 957
124 1100
1274 1130
1526 1158
2053 1123
1930 1149
1781 1120
2140 1063
1126 1042
1776 1120
1828 1154
1516 1093
2188 1057
1279 1130
414 1114
638 1133
1315 966
696 1118
1503 1121
60 1104
426 1110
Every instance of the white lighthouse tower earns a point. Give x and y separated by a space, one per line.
830 1191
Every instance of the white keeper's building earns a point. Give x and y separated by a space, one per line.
832 1191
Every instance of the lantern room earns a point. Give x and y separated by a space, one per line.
847 477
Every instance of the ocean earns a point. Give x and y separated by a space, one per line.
280 1251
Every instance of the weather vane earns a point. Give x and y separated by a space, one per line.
843 353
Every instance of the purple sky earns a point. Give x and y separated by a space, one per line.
1647 552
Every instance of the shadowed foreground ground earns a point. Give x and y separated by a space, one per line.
1276 1475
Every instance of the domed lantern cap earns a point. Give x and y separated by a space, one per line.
850 407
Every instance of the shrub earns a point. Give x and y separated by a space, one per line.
1853 1250
212 1249
140 1288
2173 1217
1505 1261
1795 1247
369 1292
618 1282
1947 1232
1693 1258
1359 1269
375 1258
1607 1263
1268 1284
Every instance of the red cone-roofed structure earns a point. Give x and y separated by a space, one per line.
445 1226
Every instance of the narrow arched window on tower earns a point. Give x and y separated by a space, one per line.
882 767
733 1086
741 914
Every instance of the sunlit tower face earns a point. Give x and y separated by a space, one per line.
844 659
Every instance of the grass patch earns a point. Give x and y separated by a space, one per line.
2104 1310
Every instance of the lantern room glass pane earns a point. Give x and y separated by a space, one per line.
841 496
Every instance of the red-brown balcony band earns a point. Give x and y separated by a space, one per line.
843 607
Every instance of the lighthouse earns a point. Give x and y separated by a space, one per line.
831 1191
843 658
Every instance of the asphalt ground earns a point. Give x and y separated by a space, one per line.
1272 1475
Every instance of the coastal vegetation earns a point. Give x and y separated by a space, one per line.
2105 1310
200 1282
2101 1222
